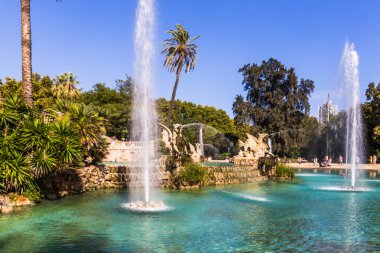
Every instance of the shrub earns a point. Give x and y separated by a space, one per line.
33 195
224 156
285 171
192 173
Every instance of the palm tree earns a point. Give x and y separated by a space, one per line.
26 46
90 126
66 87
179 51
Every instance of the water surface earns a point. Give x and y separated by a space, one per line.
258 217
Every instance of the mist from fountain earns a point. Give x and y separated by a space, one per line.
201 140
354 132
270 145
144 127
202 129
354 138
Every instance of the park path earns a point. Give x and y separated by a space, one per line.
334 166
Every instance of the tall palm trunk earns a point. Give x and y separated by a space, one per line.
174 93
26 45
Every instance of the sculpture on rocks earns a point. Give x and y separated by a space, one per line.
252 149
180 149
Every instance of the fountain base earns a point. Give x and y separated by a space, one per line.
146 207
344 189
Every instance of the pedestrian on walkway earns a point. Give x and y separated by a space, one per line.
340 160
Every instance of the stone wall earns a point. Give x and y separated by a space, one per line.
220 175
92 177
233 175
74 181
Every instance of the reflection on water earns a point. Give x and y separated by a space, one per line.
263 216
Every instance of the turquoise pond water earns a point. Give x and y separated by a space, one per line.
258 217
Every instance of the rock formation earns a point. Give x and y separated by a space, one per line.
252 149
179 147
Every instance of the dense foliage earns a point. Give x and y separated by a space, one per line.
219 130
283 170
275 103
66 127
115 105
371 111
192 173
54 134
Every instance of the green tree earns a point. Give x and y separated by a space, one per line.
220 130
10 88
275 103
65 87
41 87
113 104
371 113
179 51
31 147
89 125
42 92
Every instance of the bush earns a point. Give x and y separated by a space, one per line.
284 171
224 156
192 173
33 195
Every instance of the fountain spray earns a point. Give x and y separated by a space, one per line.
354 132
144 114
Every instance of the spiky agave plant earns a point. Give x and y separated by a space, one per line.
68 147
90 126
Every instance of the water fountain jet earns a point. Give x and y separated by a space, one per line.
354 137
354 127
144 127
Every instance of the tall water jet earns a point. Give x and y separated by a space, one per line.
201 140
144 127
270 145
354 138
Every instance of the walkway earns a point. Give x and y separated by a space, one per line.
335 166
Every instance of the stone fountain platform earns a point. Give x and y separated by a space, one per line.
146 207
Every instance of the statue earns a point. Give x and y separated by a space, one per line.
252 149
180 148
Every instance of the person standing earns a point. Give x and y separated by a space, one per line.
374 159
340 160
370 160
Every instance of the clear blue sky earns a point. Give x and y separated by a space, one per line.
94 40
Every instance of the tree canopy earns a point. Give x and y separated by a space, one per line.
55 133
275 102
114 104
371 112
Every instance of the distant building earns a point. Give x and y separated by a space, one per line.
326 110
